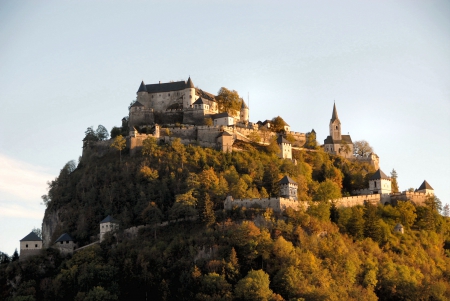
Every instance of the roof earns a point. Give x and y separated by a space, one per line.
204 94
31 237
142 87
281 139
335 114
243 105
425 185
108 219
287 180
200 101
137 104
189 83
398 226
64 237
379 174
165 87
220 115
345 139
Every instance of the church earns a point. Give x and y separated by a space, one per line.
336 143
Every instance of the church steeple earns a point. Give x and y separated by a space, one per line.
335 125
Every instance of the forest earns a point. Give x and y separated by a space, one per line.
321 253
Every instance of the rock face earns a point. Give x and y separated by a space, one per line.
49 224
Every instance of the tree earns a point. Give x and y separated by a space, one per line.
254 286
15 256
180 150
446 210
102 133
115 131
311 140
278 124
149 146
371 224
327 190
119 143
394 184
407 212
208 215
38 232
228 101
355 225
362 148
152 215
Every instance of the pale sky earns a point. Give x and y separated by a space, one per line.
68 65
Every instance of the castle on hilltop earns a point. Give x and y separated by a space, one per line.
180 102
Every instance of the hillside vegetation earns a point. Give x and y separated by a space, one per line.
323 253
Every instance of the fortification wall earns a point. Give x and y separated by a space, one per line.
359 200
24 254
208 134
168 117
97 148
141 117
415 197
361 191
183 132
277 204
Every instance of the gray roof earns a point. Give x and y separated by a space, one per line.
335 114
137 104
204 94
108 219
379 174
64 237
189 83
287 180
220 115
142 87
346 139
243 105
165 87
31 237
281 139
425 185
200 101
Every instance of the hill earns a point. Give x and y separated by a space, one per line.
323 253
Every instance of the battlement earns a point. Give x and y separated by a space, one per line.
277 204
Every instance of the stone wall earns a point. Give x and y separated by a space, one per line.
24 254
168 117
415 197
277 204
139 116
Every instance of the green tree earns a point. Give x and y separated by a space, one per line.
278 124
152 215
394 184
115 131
102 133
228 101
327 191
407 213
180 150
311 140
149 146
371 224
208 216
119 143
214 287
254 286
362 148
355 225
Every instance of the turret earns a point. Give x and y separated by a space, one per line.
189 94
288 188
335 125
142 94
425 188
285 148
380 183
244 112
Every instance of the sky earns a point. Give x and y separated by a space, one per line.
68 65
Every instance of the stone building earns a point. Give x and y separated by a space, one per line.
380 183
107 225
285 148
425 188
336 143
65 244
287 199
30 245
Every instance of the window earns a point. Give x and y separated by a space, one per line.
26 246
35 245
62 242
67 241
168 94
153 95
190 96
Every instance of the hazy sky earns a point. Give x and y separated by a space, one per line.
68 65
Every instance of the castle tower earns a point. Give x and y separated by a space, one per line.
189 94
244 112
107 225
425 188
65 244
142 94
288 188
380 183
335 125
30 245
285 148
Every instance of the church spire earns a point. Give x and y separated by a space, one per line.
335 114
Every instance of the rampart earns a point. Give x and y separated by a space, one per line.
277 204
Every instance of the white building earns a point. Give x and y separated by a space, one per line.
107 225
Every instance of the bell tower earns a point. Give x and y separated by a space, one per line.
335 125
